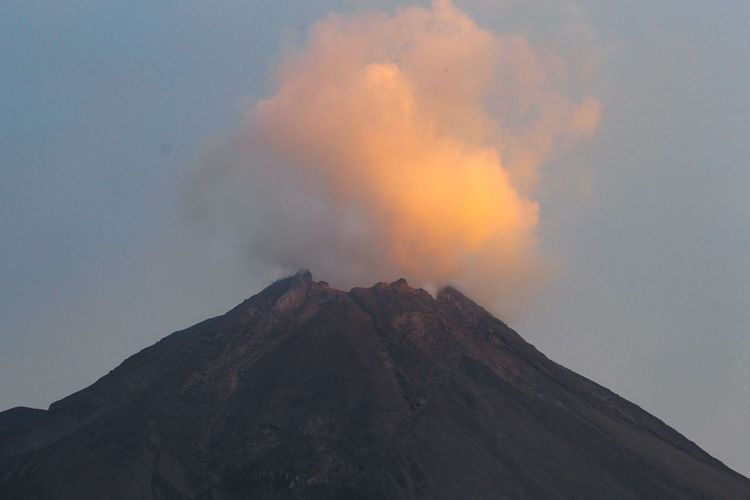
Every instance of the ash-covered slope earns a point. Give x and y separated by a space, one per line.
304 391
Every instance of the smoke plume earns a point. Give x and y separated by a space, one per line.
400 145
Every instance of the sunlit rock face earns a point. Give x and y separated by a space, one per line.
305 391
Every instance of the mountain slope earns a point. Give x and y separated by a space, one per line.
305 391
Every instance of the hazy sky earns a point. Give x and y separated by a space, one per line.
105 108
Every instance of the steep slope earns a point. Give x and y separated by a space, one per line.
305 391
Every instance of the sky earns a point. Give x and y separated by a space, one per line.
107 110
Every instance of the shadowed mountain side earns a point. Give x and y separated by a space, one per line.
305 391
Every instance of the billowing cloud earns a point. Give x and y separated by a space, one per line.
401 145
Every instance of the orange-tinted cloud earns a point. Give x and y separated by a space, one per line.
417 137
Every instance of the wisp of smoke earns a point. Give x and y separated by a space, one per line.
400 145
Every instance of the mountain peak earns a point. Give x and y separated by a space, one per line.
305 391
303 275
302 279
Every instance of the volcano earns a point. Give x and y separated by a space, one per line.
306 391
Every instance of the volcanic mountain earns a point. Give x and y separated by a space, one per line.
305 391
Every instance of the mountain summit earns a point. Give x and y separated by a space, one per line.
305 391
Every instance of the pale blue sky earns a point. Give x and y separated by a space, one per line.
98 260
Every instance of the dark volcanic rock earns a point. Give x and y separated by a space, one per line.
304 391
18 420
